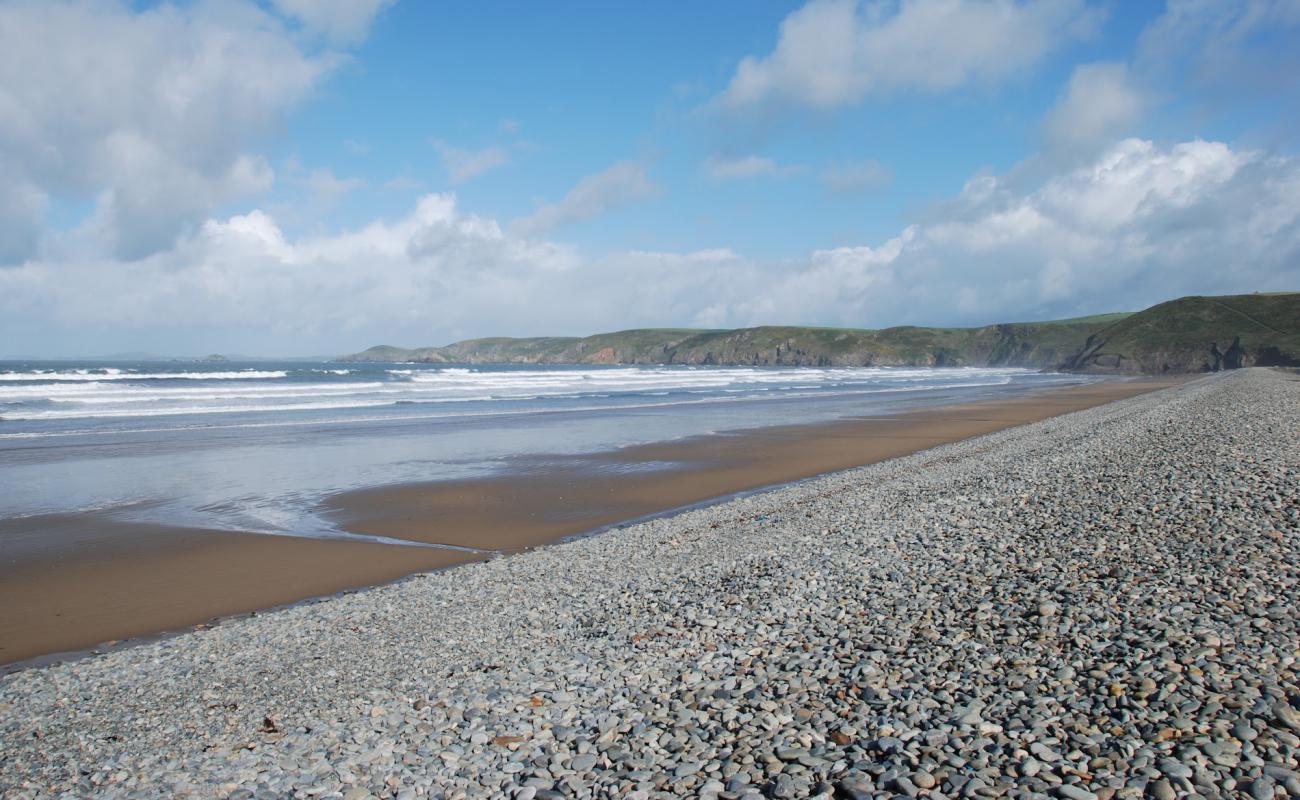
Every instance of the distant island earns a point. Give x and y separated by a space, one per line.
1190 334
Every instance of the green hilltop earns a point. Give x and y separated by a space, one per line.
1191 334
1198 334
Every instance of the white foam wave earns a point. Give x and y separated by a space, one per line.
165 412
116 374
480 413
108 392
108 396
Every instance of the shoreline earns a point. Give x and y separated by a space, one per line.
1099 606
129 584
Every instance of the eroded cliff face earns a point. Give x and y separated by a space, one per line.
605 355
1197 334
1095 357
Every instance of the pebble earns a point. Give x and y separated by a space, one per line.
1162 790
1101 605
1261 789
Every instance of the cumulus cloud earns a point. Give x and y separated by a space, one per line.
463 165
340 21
146 112
1138 224
612 188
832 53
848 178
1099 103
243 272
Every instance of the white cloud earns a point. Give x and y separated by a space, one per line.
832 53
1139 224
463 165
339 21
730 169
596 194
243 273
156 194
147 112
22 209
847 178
1099 103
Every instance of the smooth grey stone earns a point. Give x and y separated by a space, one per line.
856 787
1261 789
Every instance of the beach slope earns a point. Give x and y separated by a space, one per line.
1101 604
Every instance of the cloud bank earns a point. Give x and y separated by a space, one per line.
1138 224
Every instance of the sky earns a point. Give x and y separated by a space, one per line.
276 177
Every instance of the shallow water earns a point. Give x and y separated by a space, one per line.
256 446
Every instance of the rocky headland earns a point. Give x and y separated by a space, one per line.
1188 335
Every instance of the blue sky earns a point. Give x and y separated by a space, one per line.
294 176
604 82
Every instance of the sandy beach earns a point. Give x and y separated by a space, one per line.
813 400
72 582
1098 605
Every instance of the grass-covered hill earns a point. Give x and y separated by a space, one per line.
1198 334
1179 336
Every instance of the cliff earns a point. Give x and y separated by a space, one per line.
1197 334
1179 336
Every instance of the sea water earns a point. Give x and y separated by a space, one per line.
257 446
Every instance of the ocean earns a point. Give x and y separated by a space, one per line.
257 446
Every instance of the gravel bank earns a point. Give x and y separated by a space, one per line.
1099 605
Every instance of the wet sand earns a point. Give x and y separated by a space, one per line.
94 579
70 582
545 499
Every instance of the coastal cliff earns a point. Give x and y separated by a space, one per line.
1197 334
1191 334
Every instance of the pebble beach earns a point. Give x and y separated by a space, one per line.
1100 605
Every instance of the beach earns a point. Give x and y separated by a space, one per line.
70 582
1099 604
816 400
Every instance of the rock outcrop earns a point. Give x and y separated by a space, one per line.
1189 335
